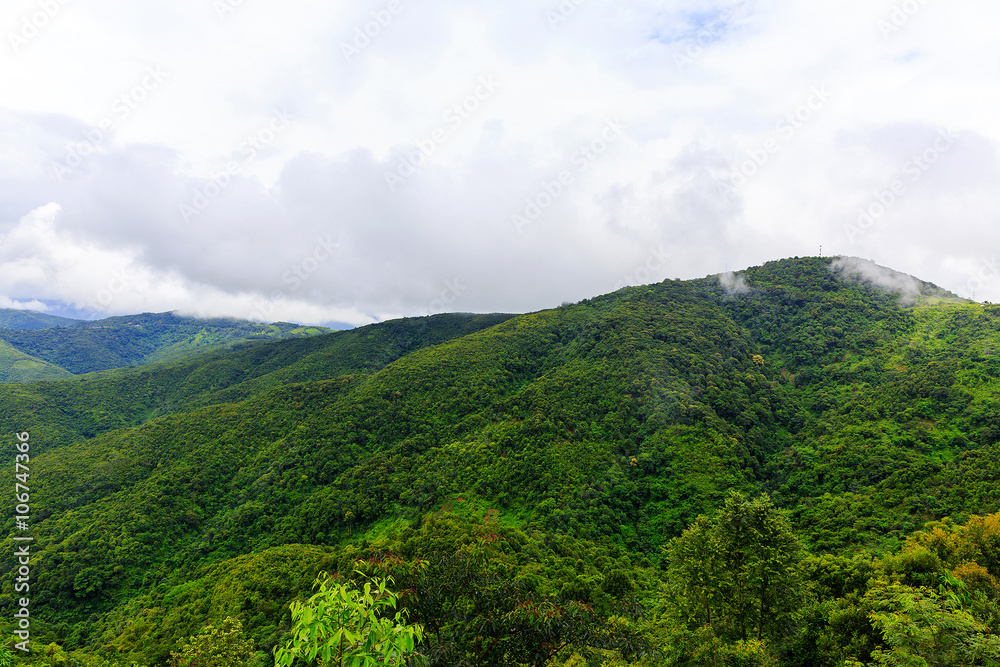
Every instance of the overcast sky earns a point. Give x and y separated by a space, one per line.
360 160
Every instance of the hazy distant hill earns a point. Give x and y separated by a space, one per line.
29 319
77 346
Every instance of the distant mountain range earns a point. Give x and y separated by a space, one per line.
36 346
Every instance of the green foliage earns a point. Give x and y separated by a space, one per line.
225 646
84 346
702 648
16 366
253 587
925 629
486 594
60 413
29 319
345 626
168 497
475 612
736 572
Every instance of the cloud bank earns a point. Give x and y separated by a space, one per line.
372 163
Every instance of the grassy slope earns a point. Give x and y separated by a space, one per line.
16 366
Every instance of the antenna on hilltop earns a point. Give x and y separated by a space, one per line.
820 249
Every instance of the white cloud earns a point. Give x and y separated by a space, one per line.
14 304
654 191
732 284
38 257
870 273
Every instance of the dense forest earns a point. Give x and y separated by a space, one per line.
798 465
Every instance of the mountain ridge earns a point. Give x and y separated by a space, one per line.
611 422
60 346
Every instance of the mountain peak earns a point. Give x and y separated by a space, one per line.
867 272
822 272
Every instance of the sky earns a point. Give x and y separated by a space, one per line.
351 162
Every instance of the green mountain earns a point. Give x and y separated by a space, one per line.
30 319
60 413
78 346
16 366
578 442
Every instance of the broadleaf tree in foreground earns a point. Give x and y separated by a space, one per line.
736 572
347 626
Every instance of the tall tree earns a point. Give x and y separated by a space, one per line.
736 572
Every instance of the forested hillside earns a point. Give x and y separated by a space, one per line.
796 465
16 366
29 319
58 413
35 346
